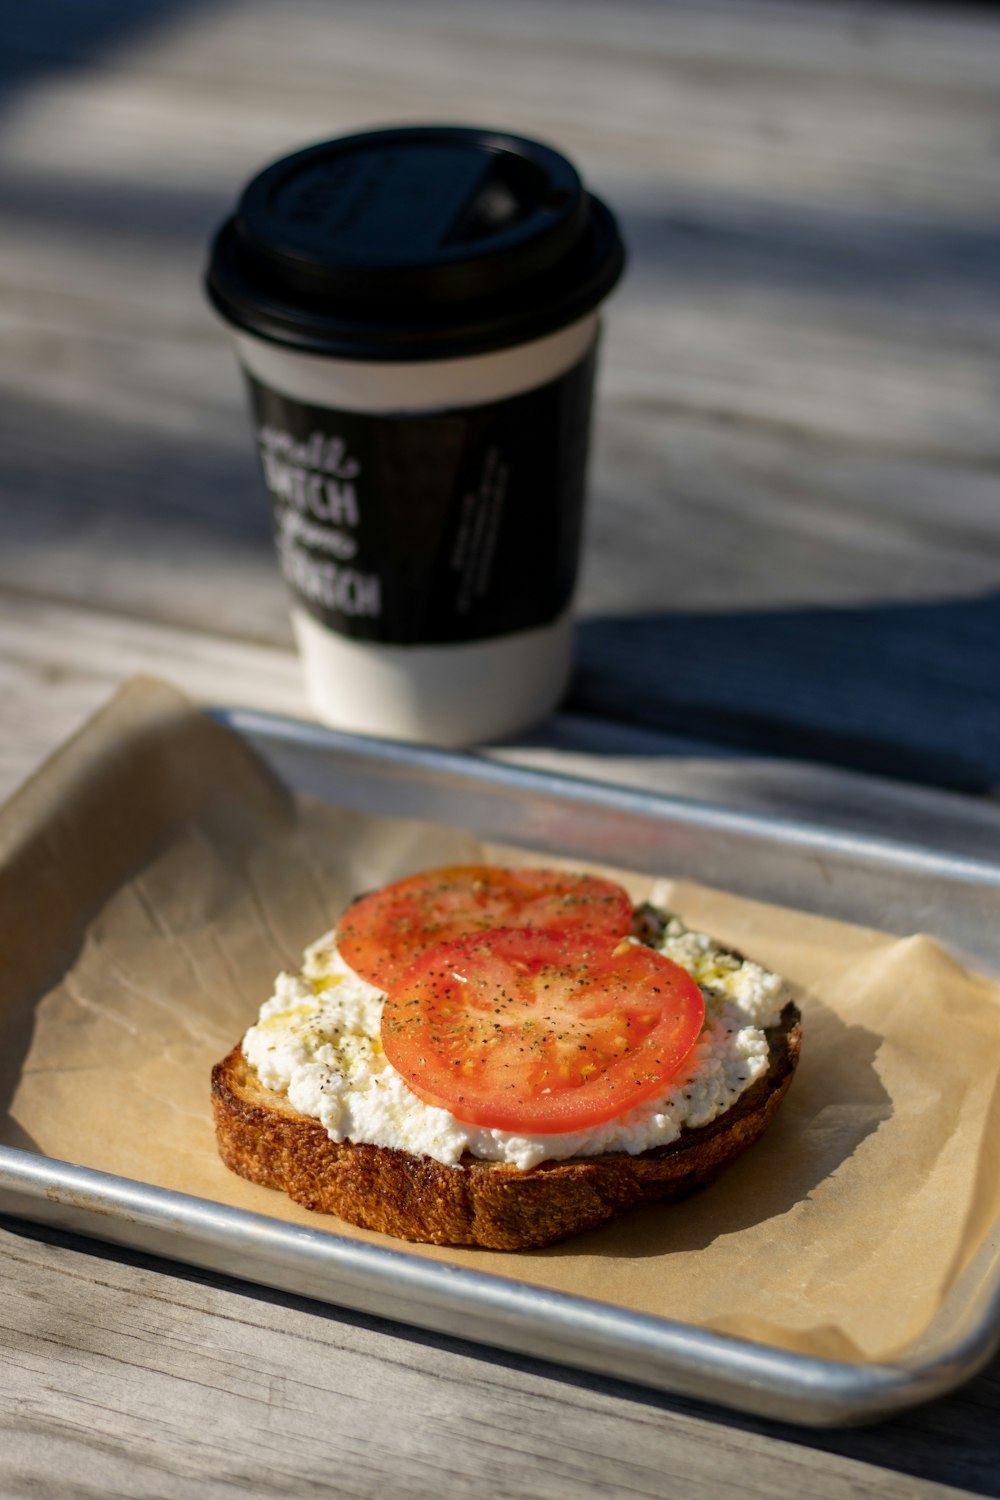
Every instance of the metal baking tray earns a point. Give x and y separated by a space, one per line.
897 887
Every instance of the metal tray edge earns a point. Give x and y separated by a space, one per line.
394 755
474 1305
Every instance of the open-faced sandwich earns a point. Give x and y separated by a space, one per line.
497 1057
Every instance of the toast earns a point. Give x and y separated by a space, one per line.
493 1204
490 1204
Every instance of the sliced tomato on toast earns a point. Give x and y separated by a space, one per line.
540 1032
383 933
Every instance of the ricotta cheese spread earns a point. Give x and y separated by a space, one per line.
318 1041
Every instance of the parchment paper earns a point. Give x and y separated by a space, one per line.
154 877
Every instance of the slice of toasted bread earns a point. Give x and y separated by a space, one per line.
492 1204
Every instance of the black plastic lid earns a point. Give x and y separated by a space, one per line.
423 242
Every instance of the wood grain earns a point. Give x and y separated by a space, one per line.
799 371
147 1381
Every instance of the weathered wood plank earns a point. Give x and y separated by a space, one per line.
798 379
813 208
742 89
882 335
141 1379
686 514
57 665
708 616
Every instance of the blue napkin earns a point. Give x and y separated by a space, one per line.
910 691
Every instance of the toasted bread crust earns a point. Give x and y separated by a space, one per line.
491 1204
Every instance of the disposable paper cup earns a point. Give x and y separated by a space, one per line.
416 314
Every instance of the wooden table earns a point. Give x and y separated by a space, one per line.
790 584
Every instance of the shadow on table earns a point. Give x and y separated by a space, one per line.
908 691
730 242
800 1150
49 36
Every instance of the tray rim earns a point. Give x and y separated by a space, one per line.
254 723
671 1356
763 1379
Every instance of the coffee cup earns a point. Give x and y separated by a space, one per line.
416 314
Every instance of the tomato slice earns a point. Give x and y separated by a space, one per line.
381 935
538 1032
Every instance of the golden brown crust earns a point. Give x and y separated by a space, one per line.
492 1204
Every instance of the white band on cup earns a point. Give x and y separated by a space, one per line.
451 695
425 385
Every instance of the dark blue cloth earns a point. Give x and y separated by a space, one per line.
902 690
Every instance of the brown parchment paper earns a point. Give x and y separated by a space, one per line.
154 877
